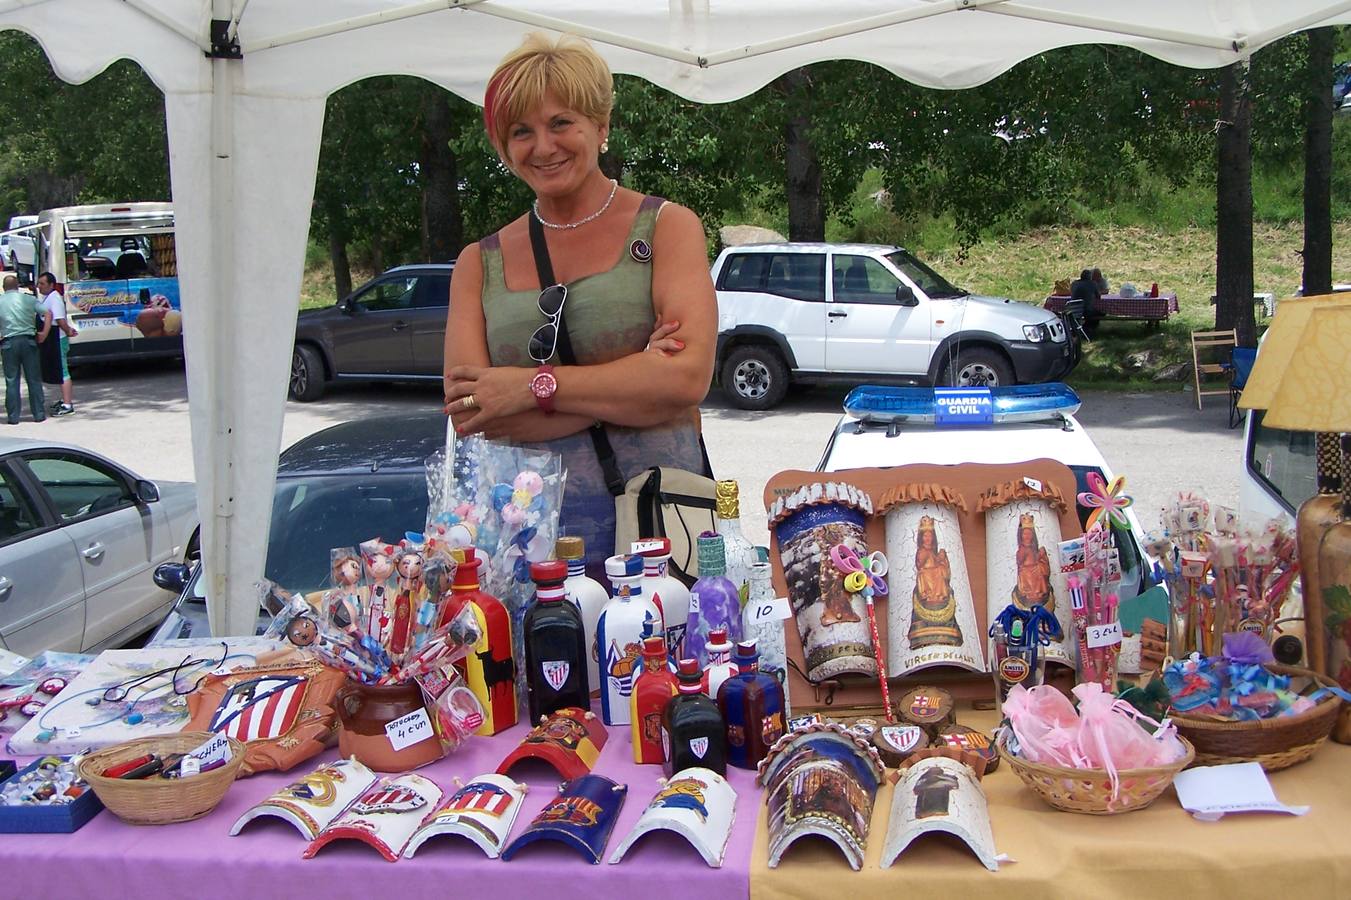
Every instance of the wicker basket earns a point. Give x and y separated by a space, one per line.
1275 743
155 800
1090 790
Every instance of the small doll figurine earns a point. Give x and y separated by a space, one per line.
378 616
410 600
342 603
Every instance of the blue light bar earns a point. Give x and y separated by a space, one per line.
1015 403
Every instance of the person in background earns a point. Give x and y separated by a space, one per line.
1100 282
1083 289
633 271
19 335
56 306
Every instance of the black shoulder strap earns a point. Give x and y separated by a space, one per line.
605 454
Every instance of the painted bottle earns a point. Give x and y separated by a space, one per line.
752 705
588 593
555 645
667 591
739 554
720 666
768 633
714 601
627 618
692 732
489 669
652 690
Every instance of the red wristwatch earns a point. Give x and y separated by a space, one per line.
544 385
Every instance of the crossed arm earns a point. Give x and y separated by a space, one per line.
638 390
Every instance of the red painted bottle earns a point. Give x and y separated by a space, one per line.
488 669
654 688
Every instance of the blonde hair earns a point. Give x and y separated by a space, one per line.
568 66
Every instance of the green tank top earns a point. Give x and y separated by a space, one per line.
609 315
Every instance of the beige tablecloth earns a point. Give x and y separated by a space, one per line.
1159 852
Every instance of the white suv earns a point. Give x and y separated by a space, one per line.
881 316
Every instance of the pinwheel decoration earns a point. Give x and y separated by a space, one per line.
867 576
1106 501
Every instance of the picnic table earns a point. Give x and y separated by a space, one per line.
1114 306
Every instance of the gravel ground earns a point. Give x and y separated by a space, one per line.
138 415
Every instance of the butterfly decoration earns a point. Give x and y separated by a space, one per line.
1106 501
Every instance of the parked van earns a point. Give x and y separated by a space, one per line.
16 247
120 270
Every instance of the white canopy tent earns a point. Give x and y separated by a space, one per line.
245 84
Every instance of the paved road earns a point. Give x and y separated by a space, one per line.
139 416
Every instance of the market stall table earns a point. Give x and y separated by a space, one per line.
1160 851
199 859
1115 306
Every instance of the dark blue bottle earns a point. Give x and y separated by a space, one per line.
751 703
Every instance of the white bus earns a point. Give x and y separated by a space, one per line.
118 265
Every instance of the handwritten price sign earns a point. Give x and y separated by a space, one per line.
405 731
645 546
774 610
1104 635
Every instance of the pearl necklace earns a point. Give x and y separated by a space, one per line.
614 188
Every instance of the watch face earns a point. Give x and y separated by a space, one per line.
544 385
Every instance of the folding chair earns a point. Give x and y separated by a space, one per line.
1208 343
1241 361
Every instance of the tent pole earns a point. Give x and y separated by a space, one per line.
344 25
173 25
1234 44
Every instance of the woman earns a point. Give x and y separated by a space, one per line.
635 270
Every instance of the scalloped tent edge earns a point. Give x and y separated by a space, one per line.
245 85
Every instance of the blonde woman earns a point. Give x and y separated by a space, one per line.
630 271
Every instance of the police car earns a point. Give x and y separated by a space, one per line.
897 426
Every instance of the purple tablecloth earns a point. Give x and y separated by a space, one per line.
107 858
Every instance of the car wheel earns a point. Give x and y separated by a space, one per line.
979 368
754 377
307 374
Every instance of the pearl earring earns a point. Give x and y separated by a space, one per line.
604 146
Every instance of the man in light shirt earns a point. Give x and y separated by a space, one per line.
56 306
19 335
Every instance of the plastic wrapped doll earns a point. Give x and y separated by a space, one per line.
343 602
409 601
378 617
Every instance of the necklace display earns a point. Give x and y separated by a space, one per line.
614 189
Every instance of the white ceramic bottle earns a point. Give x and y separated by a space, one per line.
768 634
739 553
667 592
588 594
628 617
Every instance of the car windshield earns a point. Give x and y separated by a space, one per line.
925 278
312 515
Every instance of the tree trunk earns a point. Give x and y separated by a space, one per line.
1233 206
338 235
443 227
1318 165
806 213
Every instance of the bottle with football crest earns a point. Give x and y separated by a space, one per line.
667 591
751 704
693 733
714 601
627 618
652 690
588 593
720 666
739 554
555 645
488 669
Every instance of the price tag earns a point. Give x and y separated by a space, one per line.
644 546
1104 635
217 748
1033 483
764 611
405 731
694 602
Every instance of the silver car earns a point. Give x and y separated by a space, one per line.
80 537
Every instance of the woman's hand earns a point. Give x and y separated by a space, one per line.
497 392
661 340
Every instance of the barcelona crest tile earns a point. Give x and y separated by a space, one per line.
314 801
569 739
483 810
697 804
385 816
581 817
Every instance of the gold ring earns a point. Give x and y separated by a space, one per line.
469 402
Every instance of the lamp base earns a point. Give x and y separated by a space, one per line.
1316 515
1333 603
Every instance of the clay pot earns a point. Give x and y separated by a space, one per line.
365 710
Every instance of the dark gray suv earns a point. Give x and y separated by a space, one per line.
392 328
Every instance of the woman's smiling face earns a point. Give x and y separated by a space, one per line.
553 148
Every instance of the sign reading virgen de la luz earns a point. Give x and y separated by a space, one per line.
963 406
